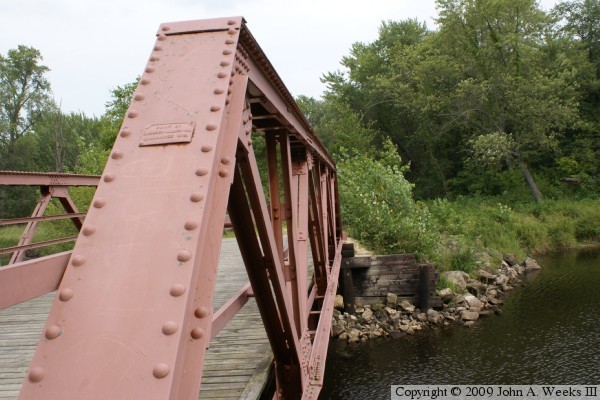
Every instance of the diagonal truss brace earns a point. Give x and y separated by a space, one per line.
133 313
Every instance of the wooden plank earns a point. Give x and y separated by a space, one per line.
236 362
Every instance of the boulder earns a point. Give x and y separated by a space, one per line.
469 315
339 302
367 314
353 335
392 299
457 278
446 295
485 276
476 288
473 302
390 311
486 313
406 306
469 324
337 329
422 317
531 265
434 317
501 280
510 259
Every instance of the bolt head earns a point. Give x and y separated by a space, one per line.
66 294
52 332
36 374
184 255
177 290
161 370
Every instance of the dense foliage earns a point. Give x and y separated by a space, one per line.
501 99
496 106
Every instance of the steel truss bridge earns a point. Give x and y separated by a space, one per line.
133 317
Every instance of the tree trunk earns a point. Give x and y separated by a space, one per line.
535 192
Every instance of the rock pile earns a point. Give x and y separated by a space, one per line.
472 298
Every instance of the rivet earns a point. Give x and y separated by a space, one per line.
161 370
88 230
223 173
196 197
125 133
190 225
177 290
99 203
149 70
109 177
201 312
36 374
229 91
52 332
162 37
157 48
197 333
225 160
139 97
154 58
218 91
215 108
229 41
231 31
132 114
206 148
224 63
78 260
227 52
249 142
211 127
231 22
117 154
65 294
227 101
222 75
169 327
184 255
201 171
165 28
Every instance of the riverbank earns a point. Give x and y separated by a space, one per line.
466 300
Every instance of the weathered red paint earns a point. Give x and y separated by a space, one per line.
133 315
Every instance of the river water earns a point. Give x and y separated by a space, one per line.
549 333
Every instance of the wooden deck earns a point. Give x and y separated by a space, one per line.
236 365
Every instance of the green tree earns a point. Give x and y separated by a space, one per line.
62 138
24 94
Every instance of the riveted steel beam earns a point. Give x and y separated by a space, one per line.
133 315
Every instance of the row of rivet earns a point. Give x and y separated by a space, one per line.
161 370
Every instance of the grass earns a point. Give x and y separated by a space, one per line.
471 225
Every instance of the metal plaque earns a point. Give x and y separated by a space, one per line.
167 134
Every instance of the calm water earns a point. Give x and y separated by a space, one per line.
549 333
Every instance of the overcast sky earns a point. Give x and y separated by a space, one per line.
93 46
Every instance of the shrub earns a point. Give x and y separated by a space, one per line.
378 208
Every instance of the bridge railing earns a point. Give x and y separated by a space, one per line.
22 280
52 186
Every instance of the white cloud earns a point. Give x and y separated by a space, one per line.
93 46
